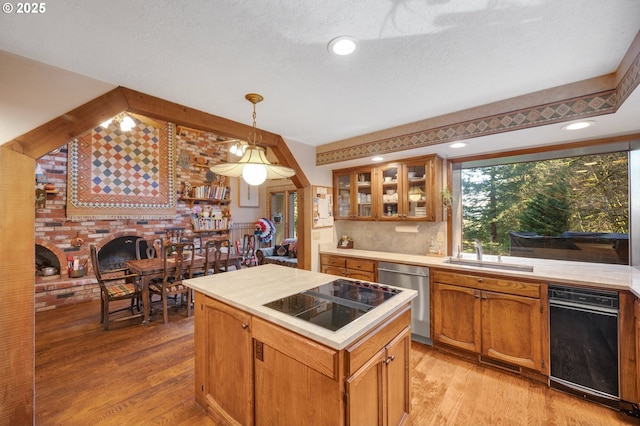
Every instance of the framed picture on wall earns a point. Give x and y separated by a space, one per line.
248 195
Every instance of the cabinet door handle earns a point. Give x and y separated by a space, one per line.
476 294
244 326
388 360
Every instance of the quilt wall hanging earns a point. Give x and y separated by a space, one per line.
122 175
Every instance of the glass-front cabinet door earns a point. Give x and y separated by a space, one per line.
342 184
363 194
407 190
353 195
415 191
390 192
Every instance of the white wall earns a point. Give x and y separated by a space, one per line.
34 93
305 155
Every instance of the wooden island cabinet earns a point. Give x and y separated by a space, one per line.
224 384
253 369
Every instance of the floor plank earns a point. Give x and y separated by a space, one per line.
137 375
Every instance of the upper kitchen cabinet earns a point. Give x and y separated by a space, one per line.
406 190
423 189
353 193
391 191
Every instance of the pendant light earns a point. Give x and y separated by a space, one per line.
253 166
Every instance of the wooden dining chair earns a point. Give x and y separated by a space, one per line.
216 258
115 285
177 266
247 250
149 248
175 235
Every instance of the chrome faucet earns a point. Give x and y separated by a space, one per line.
478 246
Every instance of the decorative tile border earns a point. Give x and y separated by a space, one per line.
606 102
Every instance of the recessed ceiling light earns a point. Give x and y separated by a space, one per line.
577 125
343 45
458 145
377 159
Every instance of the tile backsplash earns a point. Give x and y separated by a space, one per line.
394 237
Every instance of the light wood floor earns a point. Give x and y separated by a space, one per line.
135 375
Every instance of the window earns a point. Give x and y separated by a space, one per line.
572 207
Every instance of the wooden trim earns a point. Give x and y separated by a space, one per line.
627 347
549 148
64 128
17 320
514 286
449 211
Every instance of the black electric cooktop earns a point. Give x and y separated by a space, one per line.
335 304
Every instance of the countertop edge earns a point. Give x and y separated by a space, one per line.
214 287
613 277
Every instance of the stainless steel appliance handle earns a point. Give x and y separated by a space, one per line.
403 273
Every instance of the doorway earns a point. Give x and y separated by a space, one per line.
284 213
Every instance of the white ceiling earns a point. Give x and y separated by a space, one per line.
416 59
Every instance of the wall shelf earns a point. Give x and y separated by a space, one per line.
191 201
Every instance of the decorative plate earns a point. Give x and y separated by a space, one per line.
184 160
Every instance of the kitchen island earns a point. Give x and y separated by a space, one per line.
261 365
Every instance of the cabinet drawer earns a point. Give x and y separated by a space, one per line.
333 270
333 260
361 265
502 285
361 351
360 275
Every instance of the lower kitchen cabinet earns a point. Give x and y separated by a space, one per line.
296 379
457 318
382 386
358 269
483 315
224 372
512 329
250 371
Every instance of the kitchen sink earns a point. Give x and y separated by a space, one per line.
489 264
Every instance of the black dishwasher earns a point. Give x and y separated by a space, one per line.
583 330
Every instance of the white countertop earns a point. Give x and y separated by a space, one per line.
248 289
614 277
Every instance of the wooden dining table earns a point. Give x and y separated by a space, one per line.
148 269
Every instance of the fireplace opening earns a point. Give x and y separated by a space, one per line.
45 258
116 252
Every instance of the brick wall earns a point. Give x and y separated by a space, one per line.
54 232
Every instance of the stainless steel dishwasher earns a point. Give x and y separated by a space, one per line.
414 278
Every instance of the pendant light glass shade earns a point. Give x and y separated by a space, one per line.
253 167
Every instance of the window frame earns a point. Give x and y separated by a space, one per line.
631 145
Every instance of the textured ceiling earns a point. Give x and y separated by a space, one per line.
416 59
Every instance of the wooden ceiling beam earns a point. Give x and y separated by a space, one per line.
153 107
61 130
64 128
